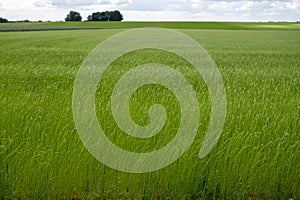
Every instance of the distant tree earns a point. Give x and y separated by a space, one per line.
73 16
89 18
115 16
3 20
98 16
106 16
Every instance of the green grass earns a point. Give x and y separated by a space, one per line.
257 156
126 25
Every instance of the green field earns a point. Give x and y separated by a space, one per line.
256 157
38 26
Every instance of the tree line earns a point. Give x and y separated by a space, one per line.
97 16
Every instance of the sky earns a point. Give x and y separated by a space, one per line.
156 10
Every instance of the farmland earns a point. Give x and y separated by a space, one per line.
257 155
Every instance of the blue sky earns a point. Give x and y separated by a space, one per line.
156 10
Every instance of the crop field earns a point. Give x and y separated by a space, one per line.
256 157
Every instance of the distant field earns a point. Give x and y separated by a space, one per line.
257 156
125 25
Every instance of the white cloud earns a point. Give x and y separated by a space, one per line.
1 6
42 4
73 3
123 2
283 10
146 5
245 7
291 5
294 5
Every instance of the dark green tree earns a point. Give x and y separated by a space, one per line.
106 16
73 16
115 16
3 20
98 16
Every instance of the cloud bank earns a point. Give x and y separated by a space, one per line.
157 10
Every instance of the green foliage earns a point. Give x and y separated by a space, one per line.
73 16
125 25
106 16
3 20
257 156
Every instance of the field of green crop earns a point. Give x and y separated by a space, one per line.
125 25
256 157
